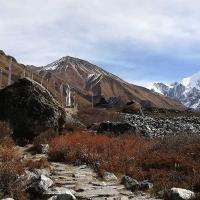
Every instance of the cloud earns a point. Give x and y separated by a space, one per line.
125 36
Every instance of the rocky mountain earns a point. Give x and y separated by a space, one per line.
87 79
187 91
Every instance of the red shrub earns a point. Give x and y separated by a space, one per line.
168 162
113 153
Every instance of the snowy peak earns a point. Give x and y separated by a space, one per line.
192 81
75 63
187 91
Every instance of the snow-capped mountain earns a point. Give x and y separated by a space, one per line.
87 79
187 91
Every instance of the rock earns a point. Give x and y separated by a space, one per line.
105 192
180 194
60 192
145 185
62 197
130 183
109 176
114 127
40 185
132 107
43 148
8 199
28 177
30 109
40 172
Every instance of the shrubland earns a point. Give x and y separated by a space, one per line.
12 167
167 162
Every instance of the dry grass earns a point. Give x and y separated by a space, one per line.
10 169
114 154
37 164
170 162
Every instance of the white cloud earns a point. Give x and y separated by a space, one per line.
40 31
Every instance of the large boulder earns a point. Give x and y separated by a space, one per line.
40 185
30 109
132 107
114 127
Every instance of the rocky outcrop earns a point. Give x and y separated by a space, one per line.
113 127
30 109
151 127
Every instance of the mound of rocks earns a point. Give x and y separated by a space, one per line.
30 109
152 127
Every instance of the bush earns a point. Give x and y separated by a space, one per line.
169 162
10 169
114 154
37 164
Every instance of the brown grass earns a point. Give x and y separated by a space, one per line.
37 164
10 169
114 154
169 162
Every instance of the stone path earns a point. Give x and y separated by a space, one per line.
84 184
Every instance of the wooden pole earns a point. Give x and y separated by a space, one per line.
24 75
92 96
61 93
1 78
10 72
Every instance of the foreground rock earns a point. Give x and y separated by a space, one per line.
40 185
30 109
134 185
180 194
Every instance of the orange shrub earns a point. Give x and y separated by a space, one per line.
37 164
170 162
10 169
114 154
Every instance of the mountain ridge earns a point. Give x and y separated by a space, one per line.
187 91
87 77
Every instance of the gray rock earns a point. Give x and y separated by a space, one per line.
40 172
114 127
104 192
62 197
30 109
60 193
145 185
40 185
8 199
28 177
43 148
180 194
109 176
130 183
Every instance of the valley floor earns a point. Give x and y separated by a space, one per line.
82 182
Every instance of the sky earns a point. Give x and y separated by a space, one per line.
142 41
